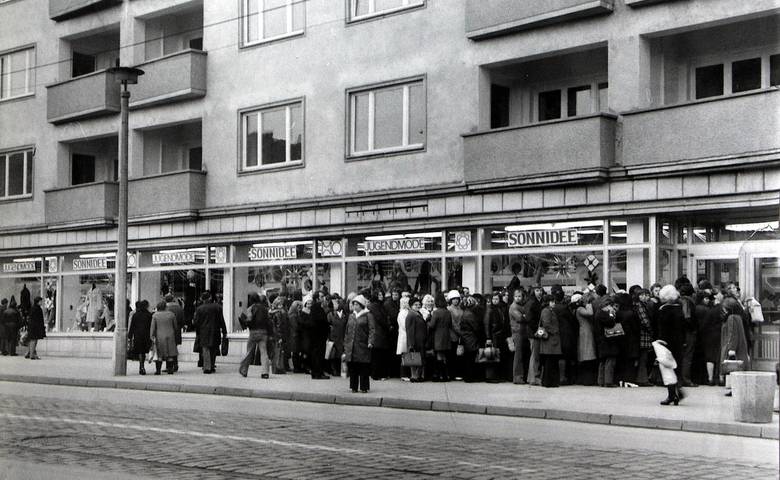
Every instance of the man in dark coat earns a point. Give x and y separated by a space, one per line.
3 332
36 330
209 323
12 320
391 306
318 335
569 330
533 312
380 349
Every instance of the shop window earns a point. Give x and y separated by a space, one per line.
49 304
266 20
421 276
549 105
273 136
22 290
628 268
732 232
360 9
499 106
767 287
572 270
90 302
665 232
82 169
719 272
746 75
17 73
633 230
387 119
709 81
16 174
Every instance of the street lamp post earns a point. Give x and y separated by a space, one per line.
125 76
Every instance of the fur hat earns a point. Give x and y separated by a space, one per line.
361 300
452 294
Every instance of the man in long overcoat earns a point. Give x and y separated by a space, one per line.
210 327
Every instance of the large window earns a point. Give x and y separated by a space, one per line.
273 136
265 20
735 75
17 77
359 9
572 101
16 174
387 118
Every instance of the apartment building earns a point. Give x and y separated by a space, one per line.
295 144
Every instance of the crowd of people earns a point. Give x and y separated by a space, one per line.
531 336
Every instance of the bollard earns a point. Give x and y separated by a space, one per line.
753 396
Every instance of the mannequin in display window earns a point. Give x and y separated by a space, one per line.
94 303
25 304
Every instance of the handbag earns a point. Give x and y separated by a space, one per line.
489 354
460 350
730 365
541 333
224 346
616 331
411 359
24 337
510 343
330 352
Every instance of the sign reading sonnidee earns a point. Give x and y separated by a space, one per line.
173 257
100 263
395 245
538 238
272 252
16 267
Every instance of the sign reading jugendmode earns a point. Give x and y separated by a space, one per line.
399 245
538 238
173 257
272 253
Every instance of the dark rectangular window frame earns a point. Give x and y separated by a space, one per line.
33 68
500 105
29 166
735 88
539 95
82 156
350 20
243 43
295 164
717 70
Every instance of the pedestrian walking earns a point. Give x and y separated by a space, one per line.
281 326
36 329
261 331
209 322
138 334
163 333
173 306
12 321
357 345
668 366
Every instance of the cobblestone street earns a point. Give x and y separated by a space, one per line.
147 440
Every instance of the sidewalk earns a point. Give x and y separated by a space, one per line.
705 409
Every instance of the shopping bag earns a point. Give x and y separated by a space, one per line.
616 331
224 346
411 359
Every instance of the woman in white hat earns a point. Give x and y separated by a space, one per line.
357 345
456 312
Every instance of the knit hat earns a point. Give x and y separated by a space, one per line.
361 300
452 294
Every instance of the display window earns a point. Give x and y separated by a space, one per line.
736 231
572 270
629 267
89 302
421 276
629 231
20 290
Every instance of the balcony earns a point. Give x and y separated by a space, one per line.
575 150
169 195
172 78
64 9
724 127
491 18
90 95
87 204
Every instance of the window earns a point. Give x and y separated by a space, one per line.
736 75
359 9
16 174
17 77
499 106
82 169
549 105
387 119
265 20
571 101
273 136
579 101
82 64
746 75
774 70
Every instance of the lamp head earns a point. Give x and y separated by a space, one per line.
126 75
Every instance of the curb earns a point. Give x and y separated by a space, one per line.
765 431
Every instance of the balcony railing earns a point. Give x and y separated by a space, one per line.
90 95
64 9
490 18
575 150
82 204
175 194
728 126
175 77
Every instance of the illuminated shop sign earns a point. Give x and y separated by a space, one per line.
538 238
100 263
395 245
280 252
16 267
173 257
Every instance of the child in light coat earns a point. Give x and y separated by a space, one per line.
667 364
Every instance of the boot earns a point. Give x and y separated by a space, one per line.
678 394
176 365
141 369
671 395
157 367
169 367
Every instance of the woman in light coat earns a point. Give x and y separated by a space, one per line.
667 365
163 334
401 346
587 368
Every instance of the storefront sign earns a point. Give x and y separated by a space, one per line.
273 253
53 263
100 263
538 238
399 245
220 254
16 267
462 241
173 257
329 248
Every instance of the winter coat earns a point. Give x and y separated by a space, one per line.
551 324
139 330
569 329
179 313
709 332
533 311
260 319
440 326
357 337
733 338
630 341
337 326
36 330
671 328
416 332
494 326
401 345
163 331
472 332
456 313
12 322
295 339
605 347
209 323
3 334
281 325
390 309
666 363
518 322
586 342
381 337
